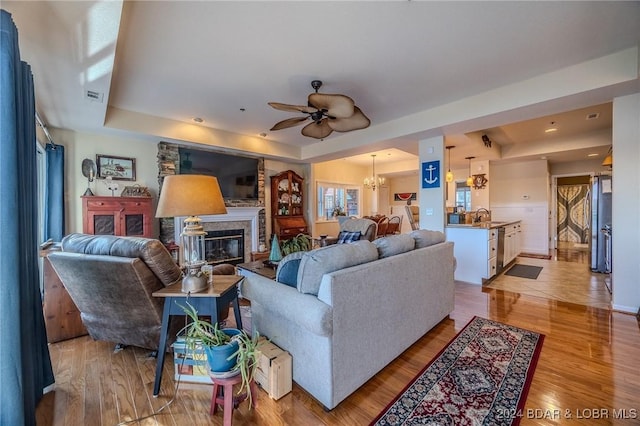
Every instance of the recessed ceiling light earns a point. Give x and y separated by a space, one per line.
552 127
593 154
198 120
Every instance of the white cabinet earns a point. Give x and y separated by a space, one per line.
475 250
512 237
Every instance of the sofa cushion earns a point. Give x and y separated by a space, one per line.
349 237
315 263
394 244
426 238
287 272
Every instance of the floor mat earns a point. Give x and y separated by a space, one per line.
524 271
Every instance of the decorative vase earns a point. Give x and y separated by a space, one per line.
218 356
276 254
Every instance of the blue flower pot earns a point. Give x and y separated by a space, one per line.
217 356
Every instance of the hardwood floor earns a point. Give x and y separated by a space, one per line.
590 361
567 281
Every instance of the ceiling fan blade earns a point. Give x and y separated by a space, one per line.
289 122
318 130
292 108
357 121
339 106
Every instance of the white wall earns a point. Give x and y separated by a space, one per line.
480 198
432 212
79 146
626 203
519 191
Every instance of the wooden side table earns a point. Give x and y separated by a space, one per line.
257 267
207 302
259 255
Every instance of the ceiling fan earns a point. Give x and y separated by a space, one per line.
327 113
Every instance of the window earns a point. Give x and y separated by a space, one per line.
334 197
463 196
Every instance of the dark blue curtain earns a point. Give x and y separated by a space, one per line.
25 365
54 193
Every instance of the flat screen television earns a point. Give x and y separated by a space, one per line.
237 175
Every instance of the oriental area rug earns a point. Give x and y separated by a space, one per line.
480 378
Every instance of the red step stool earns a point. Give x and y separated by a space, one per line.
223 394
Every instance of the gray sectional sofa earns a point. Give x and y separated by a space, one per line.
348 310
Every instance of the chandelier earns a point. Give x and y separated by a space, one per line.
372 182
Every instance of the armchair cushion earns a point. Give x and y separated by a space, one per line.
367 227
152 252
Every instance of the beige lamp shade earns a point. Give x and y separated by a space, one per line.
190 195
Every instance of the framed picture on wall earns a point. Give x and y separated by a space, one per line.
118 168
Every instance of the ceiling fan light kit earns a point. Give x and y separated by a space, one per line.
327 112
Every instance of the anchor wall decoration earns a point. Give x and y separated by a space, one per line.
431 174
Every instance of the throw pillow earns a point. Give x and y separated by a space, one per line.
349 237
287 272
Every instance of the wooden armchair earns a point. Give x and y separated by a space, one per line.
394 226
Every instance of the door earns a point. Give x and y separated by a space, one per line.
383 201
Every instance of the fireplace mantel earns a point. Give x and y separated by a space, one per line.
234 214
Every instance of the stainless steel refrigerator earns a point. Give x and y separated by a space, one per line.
600 243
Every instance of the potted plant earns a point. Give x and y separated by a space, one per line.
227 349
301 242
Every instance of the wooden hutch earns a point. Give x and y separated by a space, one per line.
287 205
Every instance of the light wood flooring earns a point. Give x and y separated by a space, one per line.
566 277
590 360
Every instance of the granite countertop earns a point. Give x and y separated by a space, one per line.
483 225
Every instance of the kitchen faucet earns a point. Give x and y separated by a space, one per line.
478 213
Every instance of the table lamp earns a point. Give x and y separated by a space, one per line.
191 195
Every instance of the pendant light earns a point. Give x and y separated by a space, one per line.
449 176
372 182
470 178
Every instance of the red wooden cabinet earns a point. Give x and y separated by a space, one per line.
125 216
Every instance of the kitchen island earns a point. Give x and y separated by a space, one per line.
482 250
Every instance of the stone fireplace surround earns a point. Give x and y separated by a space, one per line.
245 218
